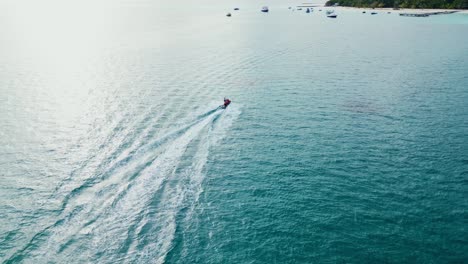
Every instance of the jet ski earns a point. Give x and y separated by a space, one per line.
226 103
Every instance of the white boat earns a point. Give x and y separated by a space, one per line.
331 14
265 9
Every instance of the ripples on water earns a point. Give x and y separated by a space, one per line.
346 141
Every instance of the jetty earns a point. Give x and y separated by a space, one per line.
413 15
441 13
427 14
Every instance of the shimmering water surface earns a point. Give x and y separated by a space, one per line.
346 142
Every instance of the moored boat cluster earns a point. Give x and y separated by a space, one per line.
309 9
332 14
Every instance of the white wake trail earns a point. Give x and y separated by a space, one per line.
184 192
103 214
138 193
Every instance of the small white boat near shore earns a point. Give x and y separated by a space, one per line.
331 14
265 9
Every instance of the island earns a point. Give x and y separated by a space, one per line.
426 4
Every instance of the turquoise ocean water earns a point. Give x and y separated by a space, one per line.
346 142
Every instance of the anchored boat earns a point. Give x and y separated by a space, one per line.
331 14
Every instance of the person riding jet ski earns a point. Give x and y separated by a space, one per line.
226 102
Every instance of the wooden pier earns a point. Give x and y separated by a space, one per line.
427 14
413 15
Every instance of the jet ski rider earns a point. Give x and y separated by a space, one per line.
226 102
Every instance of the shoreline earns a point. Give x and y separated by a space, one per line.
401 10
